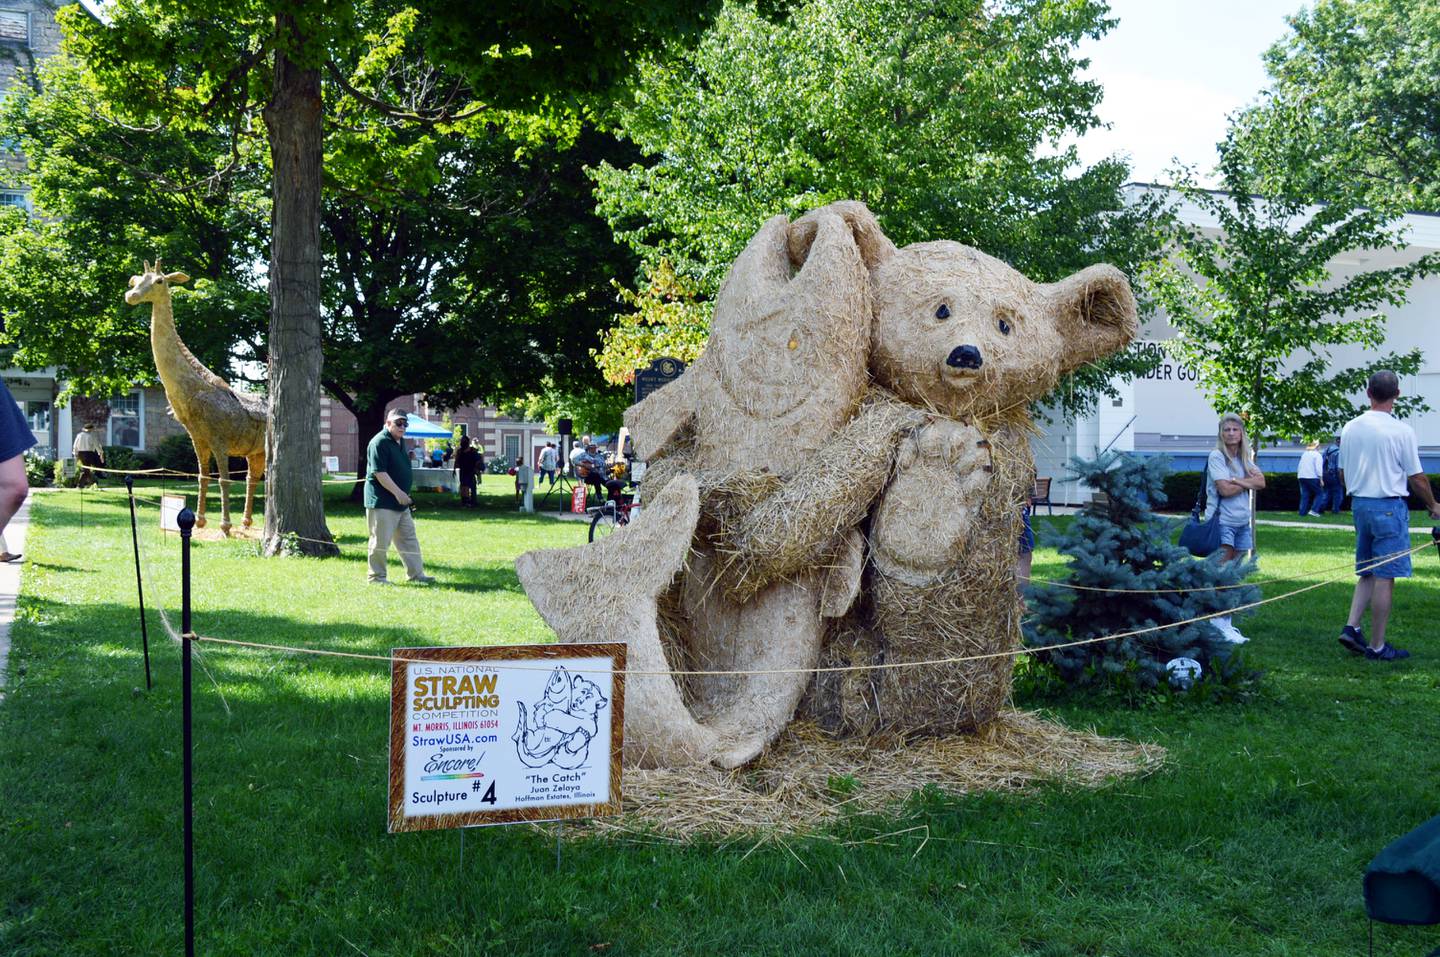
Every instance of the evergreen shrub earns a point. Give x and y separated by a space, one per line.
1281 494
121 457
177 453
1120 543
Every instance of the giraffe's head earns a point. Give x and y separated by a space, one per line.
152 284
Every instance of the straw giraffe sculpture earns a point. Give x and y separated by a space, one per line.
221 421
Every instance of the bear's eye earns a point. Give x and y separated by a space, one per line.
943 312
1004 327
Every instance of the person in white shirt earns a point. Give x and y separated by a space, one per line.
90 453
1379 460
1312 489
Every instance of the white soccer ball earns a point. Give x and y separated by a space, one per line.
1184 672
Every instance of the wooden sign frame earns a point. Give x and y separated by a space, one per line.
526 658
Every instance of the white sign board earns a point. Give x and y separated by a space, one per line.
170 508
495 735
332 463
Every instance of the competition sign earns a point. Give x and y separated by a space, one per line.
505 733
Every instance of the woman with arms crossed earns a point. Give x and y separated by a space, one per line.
1231 475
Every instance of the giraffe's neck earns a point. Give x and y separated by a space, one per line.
179 370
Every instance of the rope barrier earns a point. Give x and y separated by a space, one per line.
1049 582
172 473
169 627
833 669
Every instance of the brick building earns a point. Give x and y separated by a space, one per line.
496 433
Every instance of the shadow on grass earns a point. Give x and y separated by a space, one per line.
60 567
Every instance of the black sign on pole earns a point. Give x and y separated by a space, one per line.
661 371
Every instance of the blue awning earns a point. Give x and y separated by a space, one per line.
422 429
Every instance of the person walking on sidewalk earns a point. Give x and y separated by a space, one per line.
387 501
15 439
1333 496
1312 490
89 453
1379 459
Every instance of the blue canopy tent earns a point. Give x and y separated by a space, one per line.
421 429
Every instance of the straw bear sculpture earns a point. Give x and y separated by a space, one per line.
835 490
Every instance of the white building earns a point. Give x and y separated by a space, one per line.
1165 411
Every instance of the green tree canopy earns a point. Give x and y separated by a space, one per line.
459 261
946 118
195 64
1363 76
104 186
1258 308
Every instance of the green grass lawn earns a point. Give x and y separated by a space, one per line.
1250 840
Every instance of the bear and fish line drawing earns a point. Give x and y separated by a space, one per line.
559 727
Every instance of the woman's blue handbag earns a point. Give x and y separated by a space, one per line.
1201 538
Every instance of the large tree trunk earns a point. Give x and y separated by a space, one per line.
368 421
294 505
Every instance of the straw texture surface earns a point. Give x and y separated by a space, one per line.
838 480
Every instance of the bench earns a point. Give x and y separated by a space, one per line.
1040 495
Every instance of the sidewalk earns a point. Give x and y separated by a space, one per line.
10 587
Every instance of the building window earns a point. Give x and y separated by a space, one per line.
37 414
126 426
512 448
15 27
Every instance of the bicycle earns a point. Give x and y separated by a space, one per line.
610 514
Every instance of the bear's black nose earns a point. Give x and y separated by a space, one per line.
965 357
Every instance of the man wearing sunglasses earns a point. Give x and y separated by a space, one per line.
387 501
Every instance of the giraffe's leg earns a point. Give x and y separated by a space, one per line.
202 455
252 475
222 464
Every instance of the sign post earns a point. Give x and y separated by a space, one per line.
501 734
186 522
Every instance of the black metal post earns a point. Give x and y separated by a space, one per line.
186 521
139 587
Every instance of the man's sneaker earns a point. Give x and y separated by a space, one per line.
1354 640
422 580
1316 514
378 581
1387 652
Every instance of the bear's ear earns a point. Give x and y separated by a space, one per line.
875 247
1094 314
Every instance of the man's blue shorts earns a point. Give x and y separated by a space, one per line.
1238 537
1382 527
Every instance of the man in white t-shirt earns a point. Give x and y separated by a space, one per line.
1379 461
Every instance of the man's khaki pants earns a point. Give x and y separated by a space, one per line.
387 525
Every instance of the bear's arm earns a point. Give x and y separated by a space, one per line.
801 524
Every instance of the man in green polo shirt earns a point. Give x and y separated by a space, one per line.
387 501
